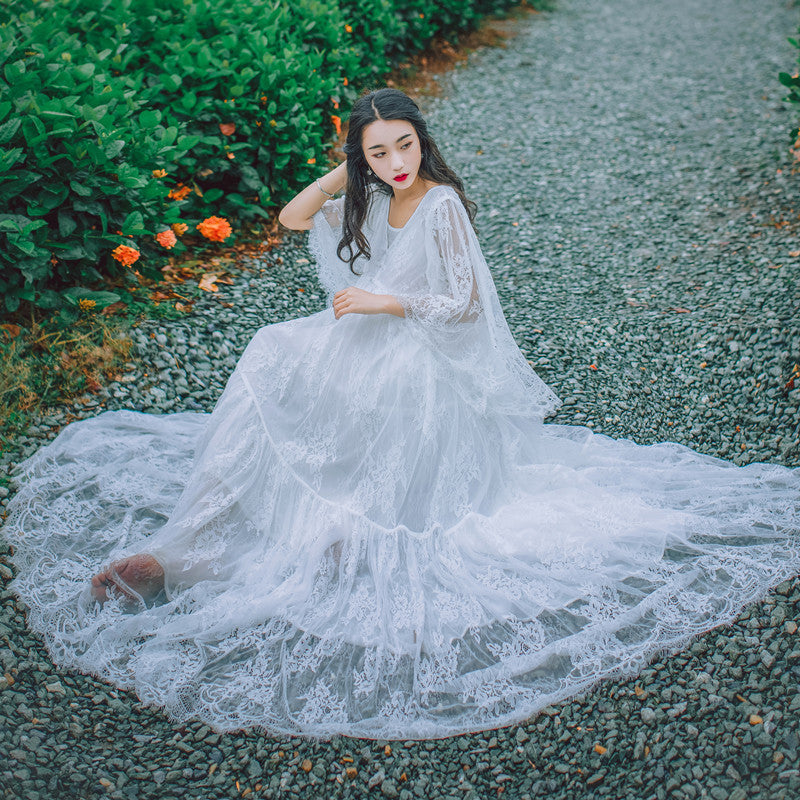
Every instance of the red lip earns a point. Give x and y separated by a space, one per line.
401 177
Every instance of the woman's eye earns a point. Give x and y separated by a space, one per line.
407 144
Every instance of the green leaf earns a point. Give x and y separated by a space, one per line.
113 149
8 129
80 189
171 82
14 71
101 299
67 316
85 70
66 224
212 195
13 223
11 157
149 119
134 223
169 137
49 299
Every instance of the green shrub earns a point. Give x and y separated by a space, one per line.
269 72
233 107
79 147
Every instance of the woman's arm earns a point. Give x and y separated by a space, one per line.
353 300
297 213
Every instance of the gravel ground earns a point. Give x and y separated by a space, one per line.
636 206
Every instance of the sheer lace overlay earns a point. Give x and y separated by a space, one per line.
375 533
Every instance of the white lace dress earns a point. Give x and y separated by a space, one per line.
374 533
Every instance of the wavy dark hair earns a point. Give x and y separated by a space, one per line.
385 104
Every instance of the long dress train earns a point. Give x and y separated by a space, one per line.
374 532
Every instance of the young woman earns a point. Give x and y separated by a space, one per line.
374 533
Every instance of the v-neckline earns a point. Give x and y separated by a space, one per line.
421 201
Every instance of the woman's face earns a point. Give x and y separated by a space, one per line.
392 150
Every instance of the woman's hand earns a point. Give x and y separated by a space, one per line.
353 300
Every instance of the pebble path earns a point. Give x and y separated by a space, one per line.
637 209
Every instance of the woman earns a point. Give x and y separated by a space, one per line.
374 533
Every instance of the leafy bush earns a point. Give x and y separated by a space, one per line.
119 118
79 147
255 84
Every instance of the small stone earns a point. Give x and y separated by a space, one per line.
767 659
55 688
648 715
595 778
306 765
790 626
521 736
377 779
737 794
755 719
389 788
351 772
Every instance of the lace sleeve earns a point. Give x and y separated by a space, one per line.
323 239
449 246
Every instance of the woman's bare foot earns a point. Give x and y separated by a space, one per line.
140 573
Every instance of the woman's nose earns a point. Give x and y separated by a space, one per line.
397 160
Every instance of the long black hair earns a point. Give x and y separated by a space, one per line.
385 104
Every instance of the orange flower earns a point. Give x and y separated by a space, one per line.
273 123
227 128
337 123
345 81
180 191
179 228
348 28
125 255
215 228
312 161
159 173
167 238
335 103
231 156
263 98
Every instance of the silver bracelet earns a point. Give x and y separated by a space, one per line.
319 186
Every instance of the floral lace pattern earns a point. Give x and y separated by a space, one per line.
374 532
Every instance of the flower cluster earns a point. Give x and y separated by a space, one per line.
167 238
216 229
125 255
179 192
